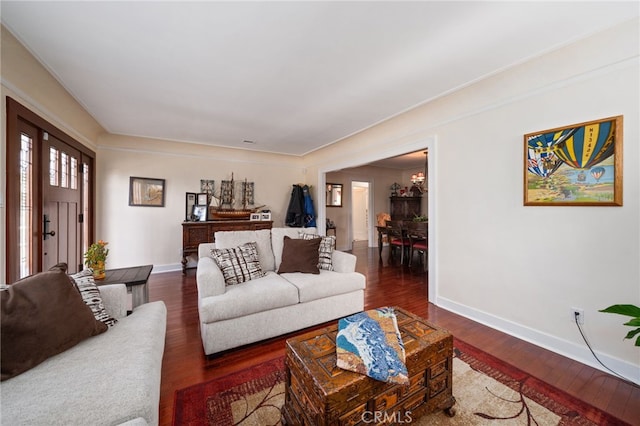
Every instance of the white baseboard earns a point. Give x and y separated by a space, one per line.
159 269
571 350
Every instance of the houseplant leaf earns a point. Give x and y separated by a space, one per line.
632 333
634 322
630 311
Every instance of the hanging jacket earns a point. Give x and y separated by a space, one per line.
295 212
309 212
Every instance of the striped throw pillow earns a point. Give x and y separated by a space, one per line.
238 264
91 295
325 251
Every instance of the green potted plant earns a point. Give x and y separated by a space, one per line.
630 311
96 257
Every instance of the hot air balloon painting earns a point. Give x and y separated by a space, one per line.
577 165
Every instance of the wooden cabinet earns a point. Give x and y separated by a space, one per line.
405 208
195 233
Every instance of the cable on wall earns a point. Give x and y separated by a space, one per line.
620 376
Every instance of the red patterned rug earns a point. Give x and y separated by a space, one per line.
487 391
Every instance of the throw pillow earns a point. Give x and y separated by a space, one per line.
370 343
325 251
300 255
238 264
41 316
88 289
277 240
262 238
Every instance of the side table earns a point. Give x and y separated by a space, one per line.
135 278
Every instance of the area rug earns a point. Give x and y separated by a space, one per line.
487 392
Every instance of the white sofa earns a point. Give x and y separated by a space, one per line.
109 379
235 315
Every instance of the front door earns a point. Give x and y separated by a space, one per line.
61 204
49 206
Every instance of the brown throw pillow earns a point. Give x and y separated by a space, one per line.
300 256
41 316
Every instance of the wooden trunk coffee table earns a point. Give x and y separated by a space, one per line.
318 393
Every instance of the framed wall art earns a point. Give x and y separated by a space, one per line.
146 192
576 165
207 186
203 199
190 201
200 212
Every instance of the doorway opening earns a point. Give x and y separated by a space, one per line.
360 211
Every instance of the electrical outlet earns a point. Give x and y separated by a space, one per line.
579 313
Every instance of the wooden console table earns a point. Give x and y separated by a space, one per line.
135 278
195 233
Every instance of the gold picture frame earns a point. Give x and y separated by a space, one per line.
576 165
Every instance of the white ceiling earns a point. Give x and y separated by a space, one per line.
290 76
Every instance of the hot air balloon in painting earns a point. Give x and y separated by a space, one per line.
541 159
542 164
586 146
597 173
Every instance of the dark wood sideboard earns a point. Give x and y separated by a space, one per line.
195 233
405 208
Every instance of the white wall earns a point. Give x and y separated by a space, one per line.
526 267
515 268
153 235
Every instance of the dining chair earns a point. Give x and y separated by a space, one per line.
417 233
397 239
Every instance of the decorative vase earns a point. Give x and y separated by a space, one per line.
98 270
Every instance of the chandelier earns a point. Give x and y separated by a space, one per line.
419 180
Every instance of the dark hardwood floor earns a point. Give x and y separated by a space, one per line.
184 363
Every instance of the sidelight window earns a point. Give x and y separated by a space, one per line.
54 177
86 184
25 230
64 170
73 173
